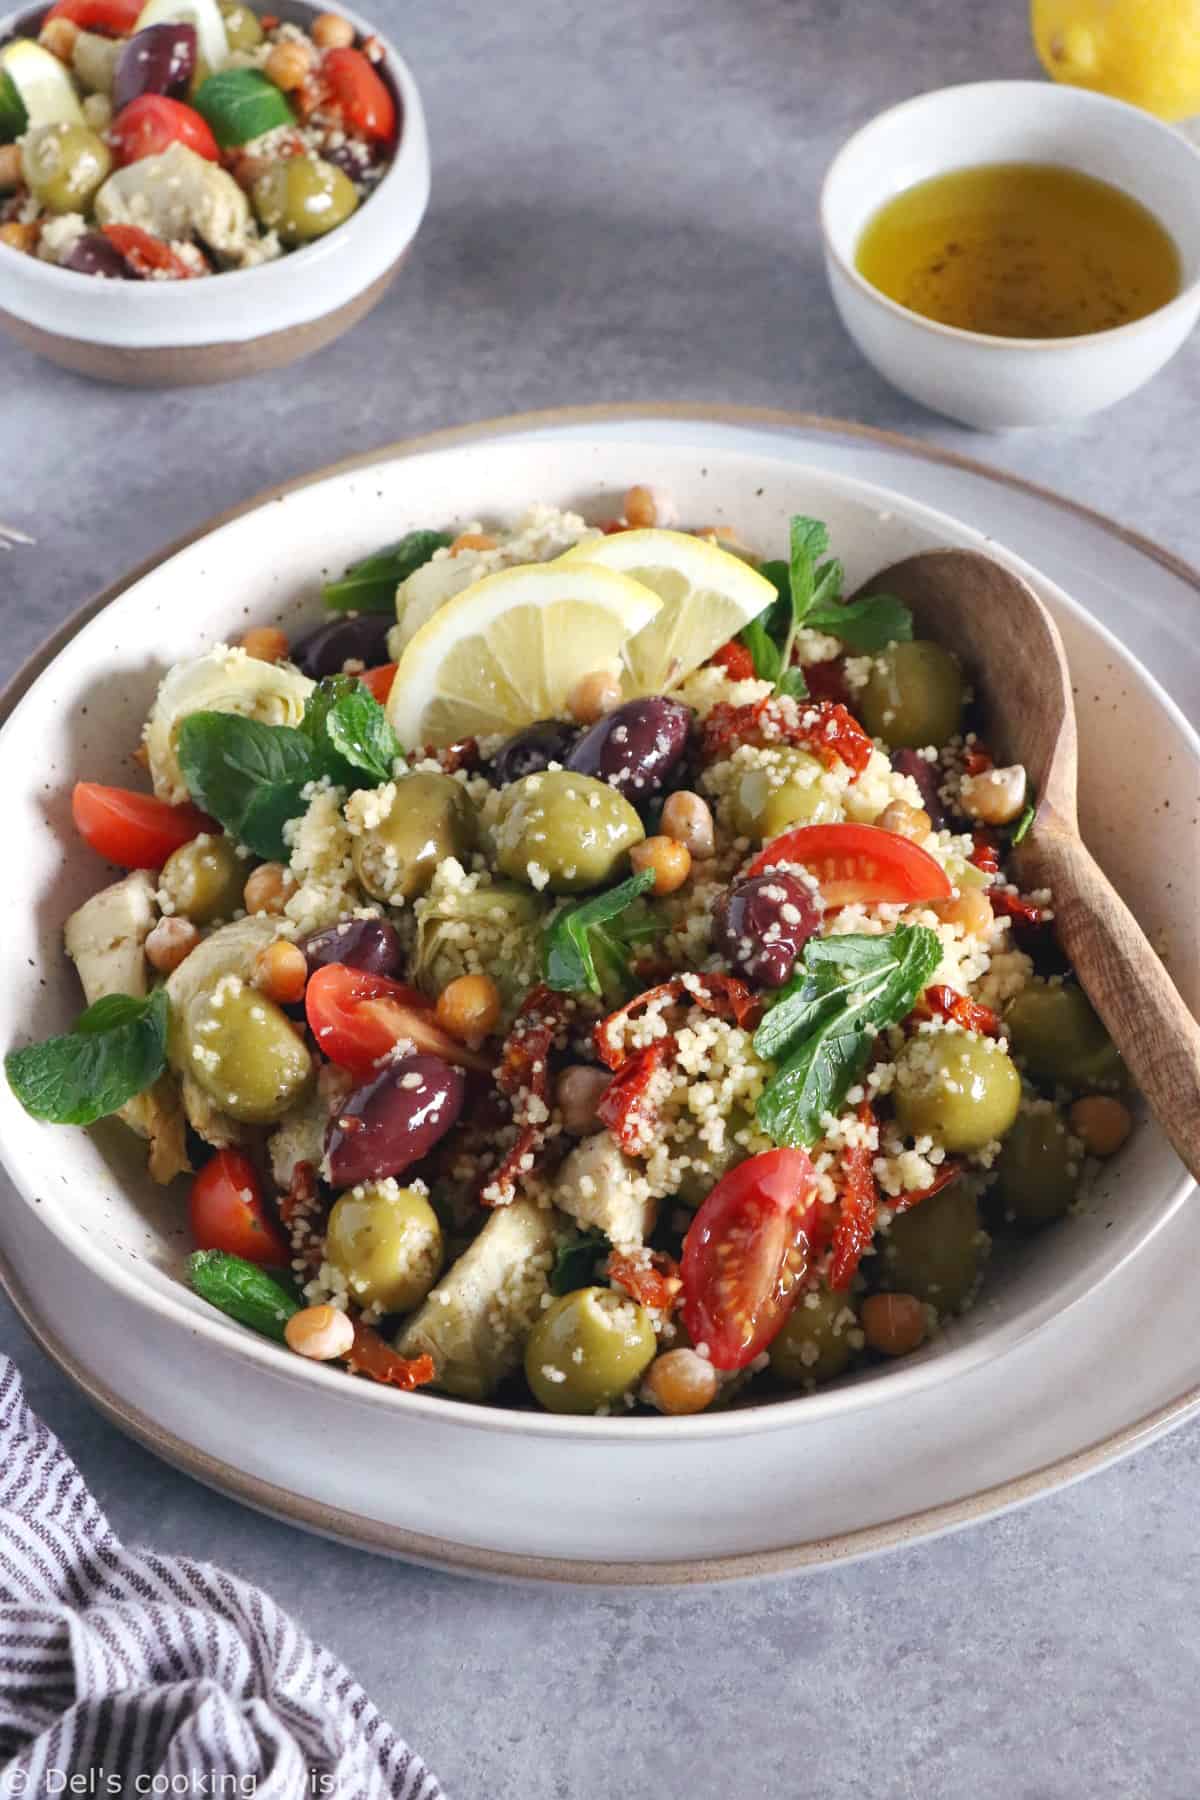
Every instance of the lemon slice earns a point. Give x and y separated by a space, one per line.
212 43
509 649
707 596
43 86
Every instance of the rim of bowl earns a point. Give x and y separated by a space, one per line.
475 1415
403 167
1070 96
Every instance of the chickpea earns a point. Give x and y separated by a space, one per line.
19 236
577 1091
320 1332
58 37
641 509
994 796
893 1324
281 972
969 909
269 888
680 1382
594 695
688 819
266 643
287 65
169 942
469 1009
905 821
10 167
472 540
670 862
1101 1122
331 32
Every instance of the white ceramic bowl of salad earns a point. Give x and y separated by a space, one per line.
95 1251
152 332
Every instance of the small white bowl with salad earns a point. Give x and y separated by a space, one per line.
192 190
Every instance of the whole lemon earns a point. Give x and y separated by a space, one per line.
1144 51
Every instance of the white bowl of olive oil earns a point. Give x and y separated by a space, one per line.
1012 253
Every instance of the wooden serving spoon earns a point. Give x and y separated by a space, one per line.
1005 637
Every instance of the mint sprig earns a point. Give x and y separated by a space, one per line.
117 1049
596 933
810 596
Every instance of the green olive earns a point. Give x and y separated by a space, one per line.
913 696
958 1087
933 1251
814 1344
425 818
1059 1038
241 25
204 880
243 1051
767 801
387 1242
587 1350
1037 1171
707 1166
302 198
575 829
63 165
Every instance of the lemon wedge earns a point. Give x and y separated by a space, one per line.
509 649
707 596
43 87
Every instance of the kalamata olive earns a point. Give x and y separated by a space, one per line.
159 59
356 158
635 747
328 649
763 924
92 254
395 1120
530 751
369 944
925 774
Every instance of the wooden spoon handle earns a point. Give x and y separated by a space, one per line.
1129 987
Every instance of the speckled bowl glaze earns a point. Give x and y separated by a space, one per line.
96 1250
184 333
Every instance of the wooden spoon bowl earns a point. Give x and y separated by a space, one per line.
1010 646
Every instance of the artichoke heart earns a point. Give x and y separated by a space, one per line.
223 680
466 923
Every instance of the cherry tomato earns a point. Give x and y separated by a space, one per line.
379 681
135 831
111 18
356 1017
226 1212
152 123
745 1252
362 94
859 863
146 254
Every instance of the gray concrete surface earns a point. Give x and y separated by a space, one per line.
624 209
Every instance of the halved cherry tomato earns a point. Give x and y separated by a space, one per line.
111 18
362 95
859 864
135 831
745 1253
226 1212
146 254
356 1018
152 123
379 681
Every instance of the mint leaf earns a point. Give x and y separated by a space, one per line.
117 1049
241 104
349 732
762 647
243 1290
575 1265
568 952
1025 822
822 1021
370 585
866 625
13 116
248 775
792 685
803 585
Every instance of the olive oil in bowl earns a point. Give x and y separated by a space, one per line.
1020 250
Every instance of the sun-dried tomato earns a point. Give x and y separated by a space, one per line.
303 1216
826 728
978 758
859 1205
723 995
453 757
525 1069
146 254
627 1105
1007 904
827 681
950 1171
650 1277
985 854
372 1355
943 1003
735 659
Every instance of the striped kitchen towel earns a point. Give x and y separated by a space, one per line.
144 1674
